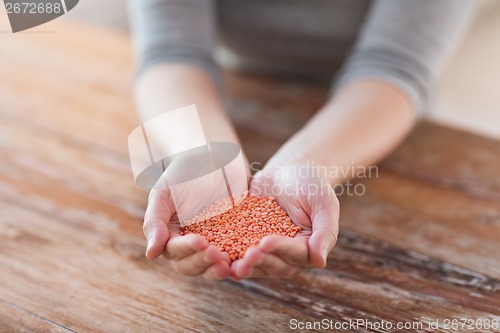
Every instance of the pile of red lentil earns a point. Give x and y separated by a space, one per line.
244 225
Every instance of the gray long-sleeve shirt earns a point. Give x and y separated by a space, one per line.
405 42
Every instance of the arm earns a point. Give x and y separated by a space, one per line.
173 42
169 86
385 86
362 123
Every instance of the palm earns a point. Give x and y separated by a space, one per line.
311 203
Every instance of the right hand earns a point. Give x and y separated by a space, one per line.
192 254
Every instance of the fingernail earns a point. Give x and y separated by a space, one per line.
234 278
226 258
207 260
149 243
324 254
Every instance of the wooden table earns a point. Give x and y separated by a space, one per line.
421 244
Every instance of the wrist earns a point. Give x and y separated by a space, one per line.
297 162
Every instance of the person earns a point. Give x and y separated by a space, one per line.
395 50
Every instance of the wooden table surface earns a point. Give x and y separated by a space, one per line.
423 242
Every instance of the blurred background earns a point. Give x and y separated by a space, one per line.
469 93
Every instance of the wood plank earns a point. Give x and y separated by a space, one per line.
38 67
443 223
86 283
16 319
371 279
449 158
365 279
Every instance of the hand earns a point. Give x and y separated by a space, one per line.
191 253
310 202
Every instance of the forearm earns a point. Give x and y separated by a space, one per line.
362 123
173 85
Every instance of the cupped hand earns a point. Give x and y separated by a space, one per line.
311 203
192 254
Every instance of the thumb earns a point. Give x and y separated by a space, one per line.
156 219
325 225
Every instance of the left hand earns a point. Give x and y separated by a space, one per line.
311 203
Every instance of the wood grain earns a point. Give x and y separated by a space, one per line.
422 242
15 319
370 278
86 282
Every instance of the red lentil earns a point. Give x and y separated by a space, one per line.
244 225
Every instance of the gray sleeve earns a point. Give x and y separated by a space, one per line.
407 43
174 31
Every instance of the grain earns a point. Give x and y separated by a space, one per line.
244 225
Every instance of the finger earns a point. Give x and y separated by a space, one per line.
293 251
237 270
199 262
325 231
276 267
156 218
217 271
270 264
242 268
182 246
258 273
